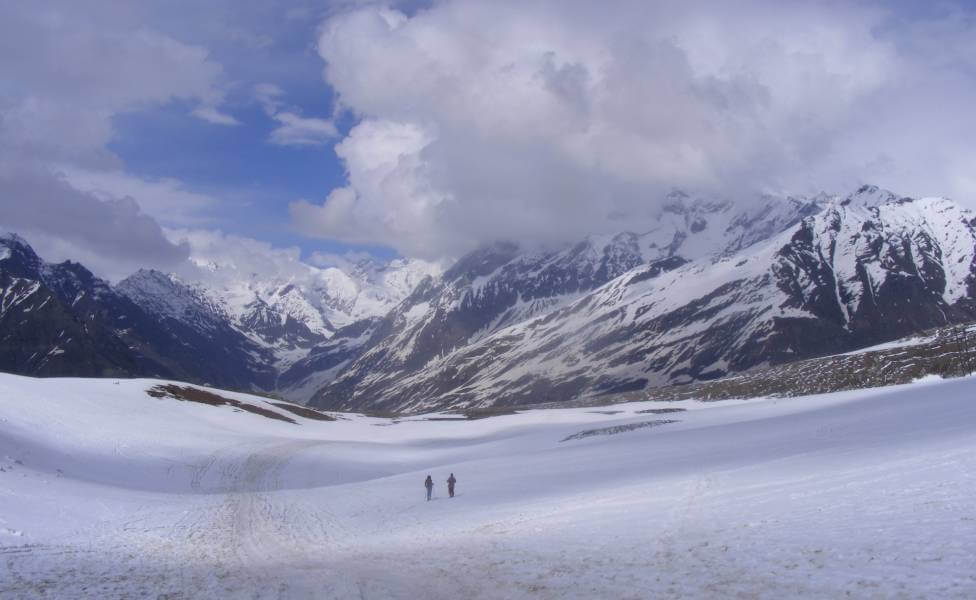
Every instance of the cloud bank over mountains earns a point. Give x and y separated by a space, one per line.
482 119
458 122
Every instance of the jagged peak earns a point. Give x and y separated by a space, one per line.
19 257
155 281
14 244
257 303
72 269
11 244
484 260
869 196
680 202
7 238
168 295
152 275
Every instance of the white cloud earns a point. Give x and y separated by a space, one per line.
212 115
388 195
218 256
546 119
268 95
165 199
345 262
62 69
295 130
113 237
292 128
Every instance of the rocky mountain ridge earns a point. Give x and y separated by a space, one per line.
860 270
238 333
59 319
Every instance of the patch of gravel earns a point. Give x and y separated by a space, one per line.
304 411
617 429
192 394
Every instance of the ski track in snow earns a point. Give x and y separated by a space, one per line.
866 493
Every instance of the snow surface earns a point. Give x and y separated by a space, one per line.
902 343
106 492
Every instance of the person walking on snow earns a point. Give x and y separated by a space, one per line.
429 484
450 485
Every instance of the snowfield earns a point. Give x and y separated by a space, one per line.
106 492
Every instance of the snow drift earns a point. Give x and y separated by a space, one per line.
106 491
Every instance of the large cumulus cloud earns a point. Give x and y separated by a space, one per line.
68 71
482 119
113 237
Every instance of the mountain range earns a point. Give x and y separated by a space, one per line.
60 319
711 288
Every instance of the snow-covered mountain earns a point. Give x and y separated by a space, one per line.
285 335
168 297
713 287
225 329
286 314
323 298
59 319
503 285
505 327
322 363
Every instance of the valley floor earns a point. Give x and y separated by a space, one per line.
106 492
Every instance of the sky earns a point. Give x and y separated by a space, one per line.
135 134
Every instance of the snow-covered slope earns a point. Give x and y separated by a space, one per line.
108 492
866 269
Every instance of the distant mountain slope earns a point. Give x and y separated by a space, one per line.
498 288
239 333
944 352
62 320
279 336
307 375
49 327
866 268
323 298
290 311
712 288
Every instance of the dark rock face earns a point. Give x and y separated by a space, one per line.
62 320
275 328
57 320
877 275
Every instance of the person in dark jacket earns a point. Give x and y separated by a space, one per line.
450 485
429 484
